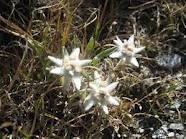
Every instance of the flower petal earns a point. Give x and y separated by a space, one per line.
65 52
125 42
84 62
134 61
97 77
105 109
75 53
57 61
93 86
80 62
137 50
76 79
131 41
113 100
71 72
110 87
57 70
116 54
118 42
89 102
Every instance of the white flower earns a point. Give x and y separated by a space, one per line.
127 51
100 94
70 66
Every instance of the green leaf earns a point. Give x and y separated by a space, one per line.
90 46
105 53
96 60
97 31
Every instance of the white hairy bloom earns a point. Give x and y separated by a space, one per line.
70 66
100 93
127 51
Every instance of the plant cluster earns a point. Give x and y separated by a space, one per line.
99 91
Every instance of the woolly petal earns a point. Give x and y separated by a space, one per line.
105 109
97 77
75 53
57 61
125 42
84 62
65 52
137 50
108 80
131 41
76 79
116 54
134 61
80 62
113 100
71 72
57 70
118 42
110 87
89 102
93 86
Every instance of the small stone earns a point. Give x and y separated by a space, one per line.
164 127
151 128
136 136
141 130
169 61
176 126
160 133
179 136
171 112
156 116
170 134
176 104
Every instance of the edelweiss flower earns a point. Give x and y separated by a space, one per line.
70 66
127 51
100 94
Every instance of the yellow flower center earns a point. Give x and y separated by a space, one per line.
67 64
100 94
128 51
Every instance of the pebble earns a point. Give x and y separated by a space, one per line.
176 126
